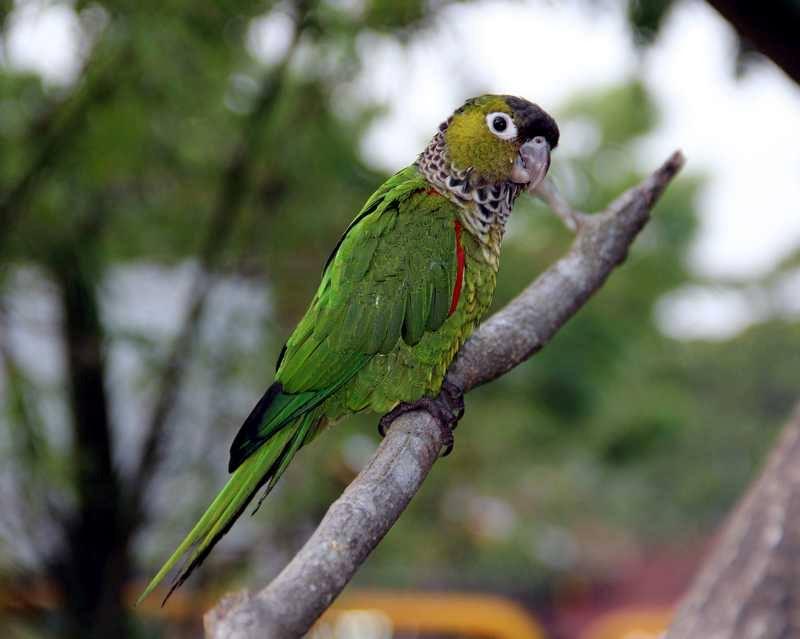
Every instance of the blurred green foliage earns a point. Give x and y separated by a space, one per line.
646 18
176 142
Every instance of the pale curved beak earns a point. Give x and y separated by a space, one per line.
532 163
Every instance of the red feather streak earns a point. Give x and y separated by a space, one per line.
460 271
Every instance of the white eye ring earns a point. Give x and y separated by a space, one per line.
505 131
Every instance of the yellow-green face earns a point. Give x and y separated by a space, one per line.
487 132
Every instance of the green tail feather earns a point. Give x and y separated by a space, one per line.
264 466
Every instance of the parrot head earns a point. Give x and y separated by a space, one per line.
499 138
484 155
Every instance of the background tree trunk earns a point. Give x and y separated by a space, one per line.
94 562
749 588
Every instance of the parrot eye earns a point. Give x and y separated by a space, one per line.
501 125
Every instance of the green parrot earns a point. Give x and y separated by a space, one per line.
407 283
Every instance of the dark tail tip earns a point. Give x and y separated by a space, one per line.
242 445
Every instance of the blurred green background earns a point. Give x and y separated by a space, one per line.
166 206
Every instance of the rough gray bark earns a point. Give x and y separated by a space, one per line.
358 520
749 587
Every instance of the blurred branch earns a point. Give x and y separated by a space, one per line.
771 27
233 188
358 520
748 587
58 127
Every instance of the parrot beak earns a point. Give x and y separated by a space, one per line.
532 163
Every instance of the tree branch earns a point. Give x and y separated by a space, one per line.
358 520
748 587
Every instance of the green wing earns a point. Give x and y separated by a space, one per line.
390 277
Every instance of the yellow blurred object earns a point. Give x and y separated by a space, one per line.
633 623
379 614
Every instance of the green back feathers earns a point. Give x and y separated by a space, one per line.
391 277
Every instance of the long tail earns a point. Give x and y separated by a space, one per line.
264 466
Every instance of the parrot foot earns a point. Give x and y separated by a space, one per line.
446 408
